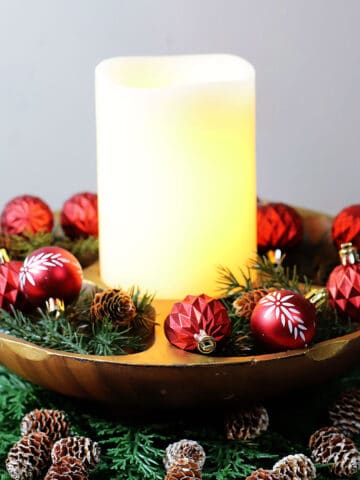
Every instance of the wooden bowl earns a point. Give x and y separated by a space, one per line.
164 377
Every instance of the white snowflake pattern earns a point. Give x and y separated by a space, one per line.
285 312
37 263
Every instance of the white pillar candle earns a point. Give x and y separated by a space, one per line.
176 171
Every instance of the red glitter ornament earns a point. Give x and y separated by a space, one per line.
10 294
198 322
346 227
79 215
50 273
279 226
284 320
26 215
343 283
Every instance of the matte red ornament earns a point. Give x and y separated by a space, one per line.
284 320
50 272
346 227
79 215
343 284
198 322
279 226
26 215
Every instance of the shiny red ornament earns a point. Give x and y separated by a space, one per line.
346 227
79 215
198 322
26 215
284 320
343 284
279 226
50 272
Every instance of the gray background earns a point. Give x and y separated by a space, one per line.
306 54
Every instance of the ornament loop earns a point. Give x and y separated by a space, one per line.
206 343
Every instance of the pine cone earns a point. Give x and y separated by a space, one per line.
68 468
185 469
262 474
345 413
114 304
29 457
295 467
184 449
81 448
246 424
329 445
51 422
245 304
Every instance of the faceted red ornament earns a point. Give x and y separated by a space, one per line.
50 272
79 215
10 294
343 286
346 227
284 320
26 215
198 322
279 226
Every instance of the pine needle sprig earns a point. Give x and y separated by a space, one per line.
20 246
86 249
145 318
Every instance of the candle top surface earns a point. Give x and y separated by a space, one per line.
159 72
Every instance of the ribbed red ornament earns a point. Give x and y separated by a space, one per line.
79 215
284 320
279 226
26 215
198 322
346 227
343 283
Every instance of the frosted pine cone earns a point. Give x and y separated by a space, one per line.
184 469
51 422
262 474
345 413
337 449
247 423
245 304
295 467
68 468
81 448
184 449
114 304
29 457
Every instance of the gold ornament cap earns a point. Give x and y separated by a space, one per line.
348 254
4 257
206 344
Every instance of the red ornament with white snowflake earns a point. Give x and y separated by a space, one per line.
343 283
279 226
346 227
197 323
26 215
50 273
79 215
10 294
284 320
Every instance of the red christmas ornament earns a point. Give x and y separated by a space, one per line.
343 283
26 215
198 322
279 226
10 294
50 273
346 227
79 215
284 320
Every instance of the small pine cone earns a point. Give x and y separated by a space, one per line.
345 413
245 304
247 423
81 448
68 468
29 457
184 469
337 449
262 474
114 304
184 449
51 422
295 467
